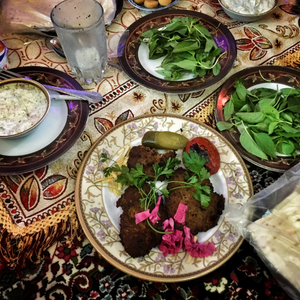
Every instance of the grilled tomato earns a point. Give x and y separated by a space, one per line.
205 148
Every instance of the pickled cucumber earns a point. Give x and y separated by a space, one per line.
164 140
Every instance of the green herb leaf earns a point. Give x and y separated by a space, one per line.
251 117
285 147
224 125
250 145
265 143
228 110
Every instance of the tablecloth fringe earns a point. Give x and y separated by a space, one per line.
18 250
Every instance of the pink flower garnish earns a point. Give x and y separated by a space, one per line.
171 242
141 216
194 248
154 216
179 217
168 225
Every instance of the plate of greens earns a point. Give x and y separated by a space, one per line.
177 51
258 111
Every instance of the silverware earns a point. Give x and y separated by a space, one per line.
92 97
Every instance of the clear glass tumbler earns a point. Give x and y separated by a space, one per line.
79 25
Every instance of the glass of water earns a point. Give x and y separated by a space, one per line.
79 25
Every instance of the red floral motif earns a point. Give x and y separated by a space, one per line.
94 294
66 253
103 125
30 187
237 292
126 115
54 186
30 193
255 43
250 268
273 290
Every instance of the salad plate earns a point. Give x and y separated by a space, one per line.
57 133
99 216
133 55
256 77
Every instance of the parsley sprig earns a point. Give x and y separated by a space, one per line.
136 177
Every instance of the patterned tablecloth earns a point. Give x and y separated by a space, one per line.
44 254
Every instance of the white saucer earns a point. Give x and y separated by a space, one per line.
42 136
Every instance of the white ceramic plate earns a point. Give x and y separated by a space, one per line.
99 217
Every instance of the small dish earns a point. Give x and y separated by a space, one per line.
24 105
245 17
157 8
58 132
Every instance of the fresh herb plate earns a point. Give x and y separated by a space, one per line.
99 216
133 56
257 77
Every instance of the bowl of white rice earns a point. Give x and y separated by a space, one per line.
248 10
24 104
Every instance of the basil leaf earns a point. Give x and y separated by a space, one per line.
271 111
289 129
187 64
265 143
250 145
251 117
272 126
266 102
286 116
216 69
241 91
237 102
293 104
262 126
246 108
285 147
228 110
224 125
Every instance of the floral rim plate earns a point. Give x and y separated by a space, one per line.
77 115
131 60
99 216
274 75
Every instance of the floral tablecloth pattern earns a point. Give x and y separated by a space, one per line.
70 268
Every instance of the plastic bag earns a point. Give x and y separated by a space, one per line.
270 222
35 14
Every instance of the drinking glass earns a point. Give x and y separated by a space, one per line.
79 25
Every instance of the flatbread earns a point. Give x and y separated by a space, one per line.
277 237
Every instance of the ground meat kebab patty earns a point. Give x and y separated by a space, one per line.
147 157
137 239
198 217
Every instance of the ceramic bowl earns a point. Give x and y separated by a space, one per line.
24 104
245 17
157 8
